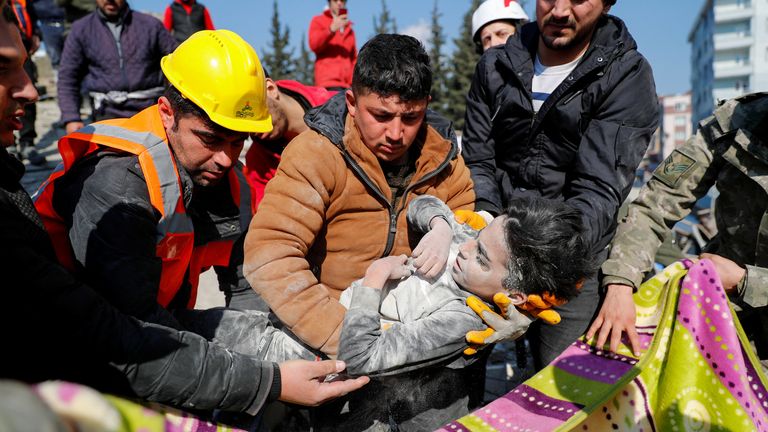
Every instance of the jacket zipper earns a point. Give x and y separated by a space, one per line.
393 215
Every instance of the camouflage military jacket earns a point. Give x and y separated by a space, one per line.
730 150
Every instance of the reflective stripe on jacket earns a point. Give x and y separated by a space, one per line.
26 24
144 136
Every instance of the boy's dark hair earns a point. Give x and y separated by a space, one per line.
393 64
548 253
184 107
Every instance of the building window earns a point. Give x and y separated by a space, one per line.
680 136
680 121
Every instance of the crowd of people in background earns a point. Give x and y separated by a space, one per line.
358 231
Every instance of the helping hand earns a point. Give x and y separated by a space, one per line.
510 326
730 273
616 316
302 382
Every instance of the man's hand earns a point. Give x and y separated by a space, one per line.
34 45
431 254
339 22
384 269
730 273
302 382
508 327
476 220
74 126
617 316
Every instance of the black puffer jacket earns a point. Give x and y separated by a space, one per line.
54 327
586 141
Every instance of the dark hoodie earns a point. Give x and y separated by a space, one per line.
584 144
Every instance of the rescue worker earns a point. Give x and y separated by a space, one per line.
185 17
59 328
494 21
728 152
142 205
287 101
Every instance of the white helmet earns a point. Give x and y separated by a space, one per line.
494 10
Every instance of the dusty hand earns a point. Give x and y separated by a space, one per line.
508 327
476 220
339 21
730 273
431 254
302 382
617 316
384 269
74 126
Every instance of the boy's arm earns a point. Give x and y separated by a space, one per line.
369 350
431 216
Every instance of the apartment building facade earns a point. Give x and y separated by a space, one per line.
729 52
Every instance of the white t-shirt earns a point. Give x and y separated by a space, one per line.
547 78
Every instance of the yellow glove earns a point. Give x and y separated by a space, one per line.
539 307
473 219
508 327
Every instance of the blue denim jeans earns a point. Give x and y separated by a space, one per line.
53 36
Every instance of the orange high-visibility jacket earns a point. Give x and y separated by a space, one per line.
143 135
25 22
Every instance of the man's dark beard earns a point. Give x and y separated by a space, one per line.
568 22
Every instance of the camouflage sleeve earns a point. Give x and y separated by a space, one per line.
754 290
679 181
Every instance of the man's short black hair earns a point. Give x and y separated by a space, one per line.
184 107
548 253
393 64
609 2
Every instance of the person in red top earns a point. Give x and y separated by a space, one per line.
185 17
287 102
332 39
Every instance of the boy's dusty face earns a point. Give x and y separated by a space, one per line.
481 264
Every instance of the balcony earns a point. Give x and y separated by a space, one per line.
732 70
734 40
730 14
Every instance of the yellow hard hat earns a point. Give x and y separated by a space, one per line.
221 73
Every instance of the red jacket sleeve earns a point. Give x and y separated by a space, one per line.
208 20
319 33
168 19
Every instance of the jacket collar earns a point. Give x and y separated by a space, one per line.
436 141
123 18
610 40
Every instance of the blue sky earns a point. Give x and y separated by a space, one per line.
660 27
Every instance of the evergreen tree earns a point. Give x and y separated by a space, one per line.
463 64
278 57
386 22
304 70
439 72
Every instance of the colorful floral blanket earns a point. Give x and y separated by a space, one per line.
86 409
696 371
